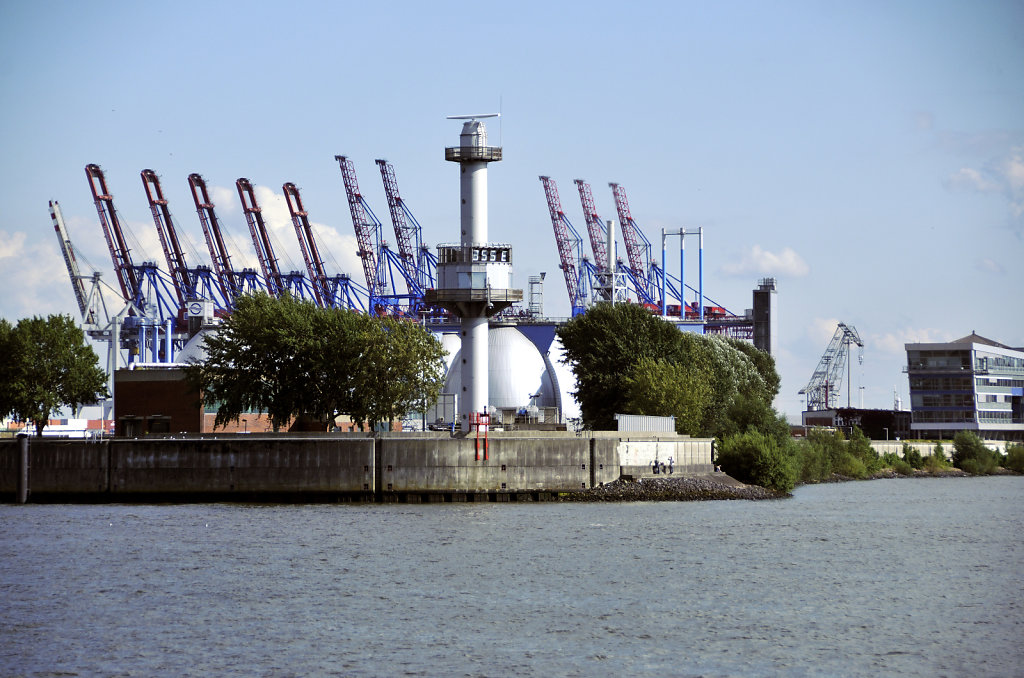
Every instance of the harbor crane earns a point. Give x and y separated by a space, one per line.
381 266
232 282
97 323
570 250
143 286
190 284
595 227
638 247
419 262
368 231
827 380
338 291
277 282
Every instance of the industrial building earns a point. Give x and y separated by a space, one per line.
971 384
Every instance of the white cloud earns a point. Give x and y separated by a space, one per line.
1002 175
11 245
968 178
762 262
821 330
989 266
893 342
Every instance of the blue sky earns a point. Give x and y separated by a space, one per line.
868 155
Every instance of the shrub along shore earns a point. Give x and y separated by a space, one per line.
824 458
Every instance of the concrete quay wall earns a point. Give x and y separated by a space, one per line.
329 467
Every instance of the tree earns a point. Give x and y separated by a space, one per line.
603 345
971 455
755 458
658 387
290 358
47 366
402 369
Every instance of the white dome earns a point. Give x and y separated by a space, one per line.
195 350
565 378
515 372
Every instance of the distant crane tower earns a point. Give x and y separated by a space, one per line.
277 282
638 247
307 243
368 233
232 282
417 259
570 249
827 379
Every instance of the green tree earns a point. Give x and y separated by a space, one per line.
47 366
602 346
290 358
971 455
657 387
1015 457
756 458
401 370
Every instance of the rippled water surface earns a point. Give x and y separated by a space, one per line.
889 577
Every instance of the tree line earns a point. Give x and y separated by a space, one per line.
627 360
290 358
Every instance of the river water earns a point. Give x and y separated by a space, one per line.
910 577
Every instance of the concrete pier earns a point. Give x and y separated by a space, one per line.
400 467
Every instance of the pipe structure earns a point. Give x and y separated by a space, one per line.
700 271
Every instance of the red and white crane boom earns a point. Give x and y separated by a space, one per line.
260 237
229 284
176 265
595 227
408 236
569 248
638 247
368 231
124 269
307 243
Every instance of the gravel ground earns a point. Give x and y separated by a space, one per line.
700 488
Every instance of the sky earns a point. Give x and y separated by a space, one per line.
867 155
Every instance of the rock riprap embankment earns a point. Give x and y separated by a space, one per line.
698 488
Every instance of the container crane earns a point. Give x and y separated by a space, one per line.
232 283
570 249
368 232
120 254
381 266
90 302
419 262
827 378
338 291
307 244
638 247
142 286
595 227
190 284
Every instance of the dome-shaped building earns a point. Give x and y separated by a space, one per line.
523 382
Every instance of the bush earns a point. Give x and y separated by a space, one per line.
971 455
1015 458
912 456
851 467
902 467
812 465
755 458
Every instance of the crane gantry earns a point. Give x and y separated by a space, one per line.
827 379
419 262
